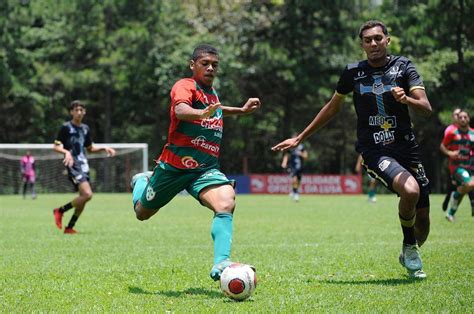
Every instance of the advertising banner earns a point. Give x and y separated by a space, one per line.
310 184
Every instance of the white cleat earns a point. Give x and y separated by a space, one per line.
410 257
296 197
146 174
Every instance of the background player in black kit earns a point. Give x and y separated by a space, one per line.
294 161
72 141
383 88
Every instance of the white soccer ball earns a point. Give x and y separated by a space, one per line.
238 281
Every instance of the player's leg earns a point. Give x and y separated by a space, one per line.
153 190
451 189
296 182
471 198
216 192
25 186
32 186
372 190
464 185
221 200
79 203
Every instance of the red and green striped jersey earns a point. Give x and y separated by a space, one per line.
193 145
455 139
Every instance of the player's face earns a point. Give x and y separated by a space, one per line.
374 43
463 119
205 68
78 113
455 115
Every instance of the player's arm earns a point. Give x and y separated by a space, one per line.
250 106
58 147
324 116
185 112
284 162
417 100
108 150
450 153
304 154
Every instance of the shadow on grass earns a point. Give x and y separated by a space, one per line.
382 282
177 294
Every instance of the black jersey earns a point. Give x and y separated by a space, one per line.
296 161
75 139
382 122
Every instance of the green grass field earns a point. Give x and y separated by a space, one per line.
325 253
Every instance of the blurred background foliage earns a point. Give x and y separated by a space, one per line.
122 57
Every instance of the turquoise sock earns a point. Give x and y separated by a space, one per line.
221 232
371 194
455 200
138 189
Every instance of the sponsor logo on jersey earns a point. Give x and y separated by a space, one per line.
213 123
384 137
189 162
385 123
201 141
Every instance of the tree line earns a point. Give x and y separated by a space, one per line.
121 57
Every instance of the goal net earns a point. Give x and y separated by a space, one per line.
107 174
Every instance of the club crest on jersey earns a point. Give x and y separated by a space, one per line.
150 193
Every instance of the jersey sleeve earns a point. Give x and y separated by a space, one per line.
62 136
448 138
413 78
345 84
182 92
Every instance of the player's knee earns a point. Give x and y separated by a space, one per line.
227 206
142 213
87 196
411 191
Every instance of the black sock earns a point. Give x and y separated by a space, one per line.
72 222
65 208
408 228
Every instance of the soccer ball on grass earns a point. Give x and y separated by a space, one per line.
238 281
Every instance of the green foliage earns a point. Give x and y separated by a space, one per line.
122 58
323 254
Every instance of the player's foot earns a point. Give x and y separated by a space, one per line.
450 218
146 174
417 274
70 231
58 218
296 197
372 199
410 257
218 268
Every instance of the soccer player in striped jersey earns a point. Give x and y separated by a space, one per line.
458 145
189 159
384 86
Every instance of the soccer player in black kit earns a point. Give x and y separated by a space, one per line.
72 141
384 87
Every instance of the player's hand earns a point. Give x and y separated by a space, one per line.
251 105
453 154
286 144
68 161
210 110
399 94
110 151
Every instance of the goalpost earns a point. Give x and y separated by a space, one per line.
107 174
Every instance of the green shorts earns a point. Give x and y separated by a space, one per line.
461 176
165 184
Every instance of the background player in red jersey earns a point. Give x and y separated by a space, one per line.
458 145
72 141
384 87
189 159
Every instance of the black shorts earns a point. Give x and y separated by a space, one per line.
296 173
77 176
385 167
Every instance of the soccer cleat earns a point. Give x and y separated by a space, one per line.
218 268
417 274
146 174
450 218
58 218
70 231
296 197
410 258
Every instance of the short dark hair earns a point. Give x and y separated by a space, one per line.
464 110
76 103
370 24
202 49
